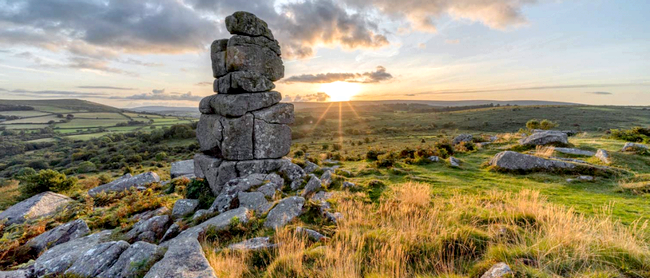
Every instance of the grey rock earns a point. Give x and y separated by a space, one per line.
574 151
581 179
225 202
200 214
58 259
236 105
454 162
237 141
129 262
310 167
61 234
218 57
184 207
483 144
567 132
256 59
275 180
253 244
206 167
244 23
497 271
229 170
313 185
314 235
434 158
347 184
281 113
333 216
545 138
204 104
37 206
570 159
633 147
240 82
238 40
209 132
603 155
254 201
293 173
462 138
271 140
245 183
184 258
267 190
148 214
326 178
284 212
98 259
125 183
322 196
22 273
148 230
513 161
183 168
219 222
171 232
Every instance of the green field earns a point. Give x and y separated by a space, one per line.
23 113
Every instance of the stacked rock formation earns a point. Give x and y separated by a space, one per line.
243 128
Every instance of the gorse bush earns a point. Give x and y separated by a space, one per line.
635 134
544 124
45 180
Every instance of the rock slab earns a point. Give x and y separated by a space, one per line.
125 183
37 206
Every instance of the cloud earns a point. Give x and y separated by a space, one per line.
287 98
162 95
575 86
456 41
54 93
318 97
96 65
410 95
422 45
106 88
367 77
203 84
599 93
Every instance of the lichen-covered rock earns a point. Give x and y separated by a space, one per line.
293 173
603 155
200 214
497 271
271 140
125 183
58 259
229 170
310 167
433 158
454 162
218 57
184 258
21 273
183 168
130 262
253 244
313 185
254 58
98 259
254 201
284 212
209 132
149 230
574 151
61 234
281 113
545 138
240 82
514 161
206 167
244 23
633 147
219 222
237 141
239 40
326 178
314 235
236 105
462 138
37 206
225 202
171 232
184 207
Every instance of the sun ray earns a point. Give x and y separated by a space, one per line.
321 117
340 124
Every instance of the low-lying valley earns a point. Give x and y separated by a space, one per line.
260 188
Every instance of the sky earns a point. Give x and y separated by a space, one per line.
128 53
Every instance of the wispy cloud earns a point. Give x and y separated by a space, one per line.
576 86
160 94
599 93
55 93
367 77
203 84
106 88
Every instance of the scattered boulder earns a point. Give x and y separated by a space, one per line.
268 190
125 183
326 178
312 186
284 212
293 173
497 271
37 206
633 147
98 259
171 232
347 184
574 151
148 230
219 222
514 161
433 158
545 138
313 235
581 178
224 202
603 155
61 234
184 207
184 258
567 132
150 213
454 162
462 138
200 214
129 263
58 259
183 168
254 201
253 244
310 167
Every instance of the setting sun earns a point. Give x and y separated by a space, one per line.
340 91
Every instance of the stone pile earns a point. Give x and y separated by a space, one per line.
243 128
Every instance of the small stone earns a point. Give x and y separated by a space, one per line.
183 168
333 217
268 190
244 23
254 201
284 212
347 184
462 138
434 158
310 167
130 262
603 156
125 183
312 186
184 207
58 259
497 271
253 244
206 167
314 235
454 162
199 214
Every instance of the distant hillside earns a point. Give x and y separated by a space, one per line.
63 104
439 103
168 110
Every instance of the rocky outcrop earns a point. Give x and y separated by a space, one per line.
184 207
183 168
132 261
462 138
184 258
125 183
149 230
58 259
37 206
497 271
633 147
61 234
253 244
545 138
514 161
313 185
98 259
574 151
284 212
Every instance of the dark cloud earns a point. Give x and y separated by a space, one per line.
367 77
319 97
599 93
106 88
162 95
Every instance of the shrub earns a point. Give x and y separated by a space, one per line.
200 189
635 134
46 180
161 156
386 160
373 154
544 124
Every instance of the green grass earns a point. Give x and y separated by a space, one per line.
23 113
99 116
34 120
25 126
89 123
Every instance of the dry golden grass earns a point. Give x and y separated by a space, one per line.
9 192
544 151
227 264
